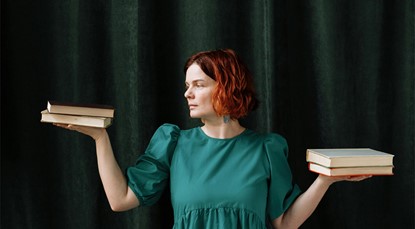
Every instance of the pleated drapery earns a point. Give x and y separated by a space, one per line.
328 74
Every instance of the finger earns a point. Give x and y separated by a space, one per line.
357 178
61 125
66 126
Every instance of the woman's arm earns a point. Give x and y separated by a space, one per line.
119 195
307 202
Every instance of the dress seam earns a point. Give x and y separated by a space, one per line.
183 216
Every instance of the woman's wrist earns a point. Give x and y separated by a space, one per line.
101 136
326 180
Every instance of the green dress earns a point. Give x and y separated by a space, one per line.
238 182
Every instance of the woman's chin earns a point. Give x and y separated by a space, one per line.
193 115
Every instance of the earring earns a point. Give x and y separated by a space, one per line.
226 118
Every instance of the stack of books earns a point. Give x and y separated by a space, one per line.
93 115
349 162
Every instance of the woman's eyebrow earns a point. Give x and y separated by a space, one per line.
194 81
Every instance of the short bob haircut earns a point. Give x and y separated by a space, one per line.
234 94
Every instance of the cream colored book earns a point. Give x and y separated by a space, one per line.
349 157
80 120
99 110
351 171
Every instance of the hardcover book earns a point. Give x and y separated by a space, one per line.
349 157
98 110
92 121
351 171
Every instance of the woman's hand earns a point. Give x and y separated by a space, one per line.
93 132
332 179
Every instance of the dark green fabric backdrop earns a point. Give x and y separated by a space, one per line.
329 73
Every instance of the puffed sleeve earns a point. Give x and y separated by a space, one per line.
282 191
149 176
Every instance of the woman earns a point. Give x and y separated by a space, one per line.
221 174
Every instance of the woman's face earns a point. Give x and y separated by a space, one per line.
199 88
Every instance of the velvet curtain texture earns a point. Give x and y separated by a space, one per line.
329 74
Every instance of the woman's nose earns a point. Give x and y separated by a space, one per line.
188 93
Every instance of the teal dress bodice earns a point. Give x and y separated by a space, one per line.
238 182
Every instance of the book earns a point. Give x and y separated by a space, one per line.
92 121
351 171
98 110
349 157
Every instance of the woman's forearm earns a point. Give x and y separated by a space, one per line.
119 195
304 205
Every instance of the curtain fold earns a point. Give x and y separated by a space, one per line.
328 74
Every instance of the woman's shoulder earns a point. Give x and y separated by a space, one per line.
270 137
174 127
169 128
272 141
275 138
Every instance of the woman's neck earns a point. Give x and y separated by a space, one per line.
222 130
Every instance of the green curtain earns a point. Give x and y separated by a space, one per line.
329 73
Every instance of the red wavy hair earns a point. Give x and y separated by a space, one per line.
234 94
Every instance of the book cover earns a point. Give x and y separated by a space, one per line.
351 171
349 157
98 110
92 121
